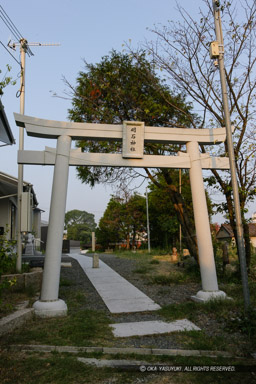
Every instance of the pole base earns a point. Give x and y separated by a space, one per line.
205 296
54 308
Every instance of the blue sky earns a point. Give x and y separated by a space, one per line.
86 30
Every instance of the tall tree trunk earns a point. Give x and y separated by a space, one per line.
187 227
128 241
182 214
247 245
133 237
232 221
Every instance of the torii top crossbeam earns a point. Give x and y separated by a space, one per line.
52 129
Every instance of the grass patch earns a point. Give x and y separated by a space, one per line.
172 278
178 311
199 340
74 297
236 333
10 299
244 323
218 308
65 282
154 261
143 269
55 369
83 328
139 255
65 369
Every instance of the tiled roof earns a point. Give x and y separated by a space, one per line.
252 229
230 233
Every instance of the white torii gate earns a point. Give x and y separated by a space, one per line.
133 135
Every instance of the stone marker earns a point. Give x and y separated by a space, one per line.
174 254
95 260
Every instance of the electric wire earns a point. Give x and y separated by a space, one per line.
13 29
10 53
10 25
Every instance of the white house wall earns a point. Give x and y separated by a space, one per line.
5 215
253 241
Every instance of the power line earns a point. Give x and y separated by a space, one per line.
13 29
10 25
10 53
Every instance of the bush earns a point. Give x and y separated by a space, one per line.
7 260
171 278
244 322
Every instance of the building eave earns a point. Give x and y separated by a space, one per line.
6 135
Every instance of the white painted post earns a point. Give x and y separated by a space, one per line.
49 304
203 232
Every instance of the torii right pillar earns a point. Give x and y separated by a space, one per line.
210 288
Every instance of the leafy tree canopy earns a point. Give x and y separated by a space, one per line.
126 87
122 220
164 226
79 225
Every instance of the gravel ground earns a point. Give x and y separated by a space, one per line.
125 268
162 295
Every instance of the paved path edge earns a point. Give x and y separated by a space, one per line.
15 320
124 351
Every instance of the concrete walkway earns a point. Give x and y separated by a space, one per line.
118 294
142 328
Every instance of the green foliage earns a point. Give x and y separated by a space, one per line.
79 225
164 226
81 327
65 282
7 260
178 311
244 323
7 255
123 87
7 80
122 220
202 341
154 261
126 87
171 278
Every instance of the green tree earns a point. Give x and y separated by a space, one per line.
181 50
122 220
164 226
79 225
7 80
109 229
124 87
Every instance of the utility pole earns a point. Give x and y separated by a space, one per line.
24 48
180 234
218 53
148 229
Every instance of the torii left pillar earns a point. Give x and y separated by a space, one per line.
49 305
